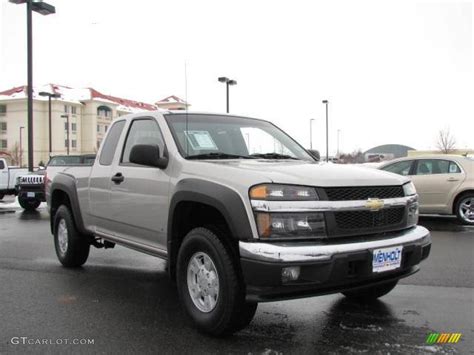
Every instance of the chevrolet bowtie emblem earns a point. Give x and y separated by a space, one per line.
374 204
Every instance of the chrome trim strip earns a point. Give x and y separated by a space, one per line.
298 252
323 206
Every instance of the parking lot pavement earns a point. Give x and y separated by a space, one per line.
124 302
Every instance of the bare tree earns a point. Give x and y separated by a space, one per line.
446 141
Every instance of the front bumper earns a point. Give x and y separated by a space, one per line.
326 268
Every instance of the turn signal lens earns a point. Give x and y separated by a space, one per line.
274 192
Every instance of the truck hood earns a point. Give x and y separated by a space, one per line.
312 174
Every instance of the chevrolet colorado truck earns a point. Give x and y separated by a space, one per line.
241 213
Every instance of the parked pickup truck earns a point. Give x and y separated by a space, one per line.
31 187
8 177
241 213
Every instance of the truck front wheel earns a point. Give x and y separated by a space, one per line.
210 286
27 204
370 294
72 249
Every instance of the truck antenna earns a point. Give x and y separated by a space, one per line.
186 104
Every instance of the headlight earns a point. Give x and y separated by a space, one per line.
274 192
287 224
409 189
290 225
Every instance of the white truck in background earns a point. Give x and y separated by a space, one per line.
8 177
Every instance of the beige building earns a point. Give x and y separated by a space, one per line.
84 114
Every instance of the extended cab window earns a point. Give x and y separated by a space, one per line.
401 168
2 165
142 131
436 166
110 144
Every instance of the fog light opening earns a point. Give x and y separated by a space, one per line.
289 274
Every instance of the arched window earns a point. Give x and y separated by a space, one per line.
104 111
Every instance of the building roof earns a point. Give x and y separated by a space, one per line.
78 96
397 150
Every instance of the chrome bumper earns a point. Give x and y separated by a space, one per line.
297 252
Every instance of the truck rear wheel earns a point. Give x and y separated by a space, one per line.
27 204
72 248
1 196
209 285
369 294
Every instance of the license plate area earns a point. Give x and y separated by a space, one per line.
30 194
386 259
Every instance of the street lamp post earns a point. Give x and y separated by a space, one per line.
228 83
338 132
49 95
67 132
326 102
21 146
311 133
44 9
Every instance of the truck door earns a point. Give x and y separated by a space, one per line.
99 182
139 194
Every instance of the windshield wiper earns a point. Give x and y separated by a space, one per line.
218 155
272 156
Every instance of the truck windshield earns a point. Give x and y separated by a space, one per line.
230 137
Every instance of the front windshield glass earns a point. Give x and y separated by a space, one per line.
228 137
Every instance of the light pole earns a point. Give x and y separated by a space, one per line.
44 9
67 132
21 146
311 133
338 132
228 82
49 95
326 102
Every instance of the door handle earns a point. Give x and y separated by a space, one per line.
452 179
118 178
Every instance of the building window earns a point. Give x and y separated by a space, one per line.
74 143
3 144
98 128
3 127
104 111
65 143
105 128
3 110
66 109
98 143
65 126
73 110
73 127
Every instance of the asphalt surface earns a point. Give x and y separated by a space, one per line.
123 302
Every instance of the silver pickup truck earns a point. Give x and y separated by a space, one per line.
241 213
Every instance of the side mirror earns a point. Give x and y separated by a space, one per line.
315 154
149 155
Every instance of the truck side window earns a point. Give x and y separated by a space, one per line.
142 131
110 144
2 165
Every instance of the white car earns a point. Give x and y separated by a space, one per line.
445 183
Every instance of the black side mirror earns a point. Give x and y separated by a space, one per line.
315 154
149 155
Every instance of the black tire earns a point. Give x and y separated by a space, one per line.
2 196
231 312
27 204
76 251
462 208
370 294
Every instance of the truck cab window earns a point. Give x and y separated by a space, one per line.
142 131
110 144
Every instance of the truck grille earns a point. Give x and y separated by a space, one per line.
363 192
368 219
